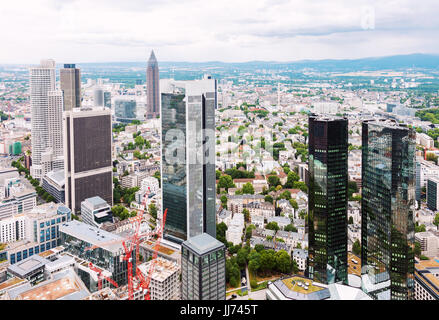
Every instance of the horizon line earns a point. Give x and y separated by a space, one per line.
234 62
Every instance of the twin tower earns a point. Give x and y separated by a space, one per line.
388 201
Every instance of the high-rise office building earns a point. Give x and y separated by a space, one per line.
98 97
388 200
433 193
54 120
42 81
125 108
203 269
153 91
188 160
327 200
70 82
87 154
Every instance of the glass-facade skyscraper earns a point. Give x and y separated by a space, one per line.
327 198
188 160
203 268
388 201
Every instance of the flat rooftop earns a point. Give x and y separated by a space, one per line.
65 285
298 284
203 243
92 235
163 269
27 265
354 268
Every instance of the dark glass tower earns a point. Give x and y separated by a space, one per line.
188 161
70 83
153 92
87 156
388 200
327 199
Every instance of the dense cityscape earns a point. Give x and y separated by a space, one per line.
314 190
219 182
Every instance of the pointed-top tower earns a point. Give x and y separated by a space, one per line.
153 92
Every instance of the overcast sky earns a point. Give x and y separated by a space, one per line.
222 30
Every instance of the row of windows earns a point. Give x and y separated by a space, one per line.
21 255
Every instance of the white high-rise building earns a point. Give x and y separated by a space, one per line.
42 81
55 128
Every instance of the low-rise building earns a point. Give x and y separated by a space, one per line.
427 280
95 211
429 243
300 256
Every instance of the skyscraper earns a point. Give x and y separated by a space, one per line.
87 153
388 200
70 79
42 81
54 120
203 269
188 160
327 199
153 91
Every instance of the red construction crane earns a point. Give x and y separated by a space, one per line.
146 283
132 243
101 276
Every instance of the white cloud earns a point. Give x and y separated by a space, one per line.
226 30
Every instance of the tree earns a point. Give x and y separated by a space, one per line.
417 250
292 177
246 215
221 229
224 201
259 247
233 276
267 260
248 188
420 228
283 261
272 226
273 181
254 262
268 198
436 220
356 247
241 257
152 209
351 220
226 182
291 228
432 157
285 195
248 231
294 204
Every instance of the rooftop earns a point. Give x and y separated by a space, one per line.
27 265
65 285
163 269
95 202
92 235
301 288
203 243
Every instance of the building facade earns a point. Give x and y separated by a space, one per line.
88 162
188 160
388 199
153 91
203 266
70 83
327 205
42 81
433 193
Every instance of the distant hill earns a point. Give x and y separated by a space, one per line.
417 61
